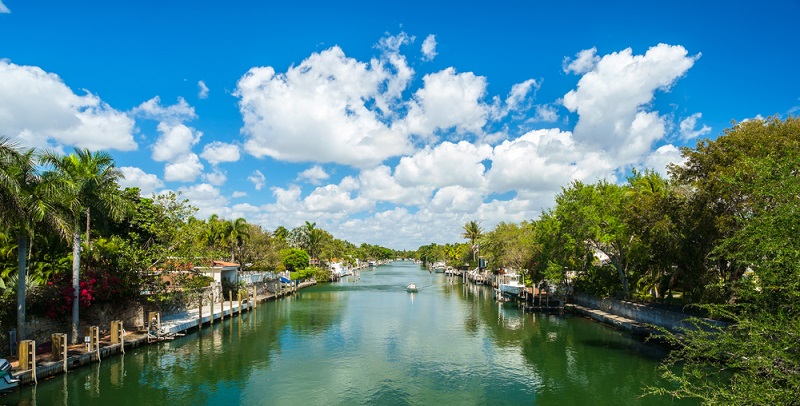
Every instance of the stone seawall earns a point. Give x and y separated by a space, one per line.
642 313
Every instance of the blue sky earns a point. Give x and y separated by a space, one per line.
392 124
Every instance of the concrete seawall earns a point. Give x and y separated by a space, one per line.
635 317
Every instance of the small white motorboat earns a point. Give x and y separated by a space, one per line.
509 286
412 287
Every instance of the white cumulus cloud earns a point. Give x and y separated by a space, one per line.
612 97
208 200
429 48
660 159
318 111
688 127
217 152
202 90
456 199
378 184
175 142
216 177
186 168
39 110
172 114
448 100
545 113
447 164
584 62
519 93
335 199
539 160
314 175
147 183
258 179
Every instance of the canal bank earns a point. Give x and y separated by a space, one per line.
47 364
637 318
369 341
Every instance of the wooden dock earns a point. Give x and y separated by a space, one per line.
170 326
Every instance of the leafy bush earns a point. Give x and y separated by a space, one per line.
295 259
601 281
321 275
198 282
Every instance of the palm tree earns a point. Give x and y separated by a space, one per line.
313 238
25 203
235 233
472 232
86 182
280 233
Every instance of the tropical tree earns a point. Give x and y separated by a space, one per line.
592 217
234 234
25 203
472 232
87 182
294 259
747 182
260 251
313 239
280 233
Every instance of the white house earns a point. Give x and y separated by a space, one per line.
221 271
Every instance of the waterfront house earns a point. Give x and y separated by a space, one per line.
221 271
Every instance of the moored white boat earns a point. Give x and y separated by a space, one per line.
339 270
510 285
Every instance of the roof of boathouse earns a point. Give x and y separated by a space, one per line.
224 264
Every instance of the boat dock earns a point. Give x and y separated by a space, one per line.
49 363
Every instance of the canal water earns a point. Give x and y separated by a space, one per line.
368 341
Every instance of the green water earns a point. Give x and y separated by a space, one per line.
370 342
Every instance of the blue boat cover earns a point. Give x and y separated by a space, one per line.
284 280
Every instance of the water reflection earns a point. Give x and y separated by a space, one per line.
371 342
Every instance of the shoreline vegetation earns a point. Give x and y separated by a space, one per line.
718 236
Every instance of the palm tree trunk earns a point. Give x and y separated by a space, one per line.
76 283
88 243
22 250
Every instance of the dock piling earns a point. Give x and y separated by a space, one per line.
94 340
211 307
27 357
59 351
240 295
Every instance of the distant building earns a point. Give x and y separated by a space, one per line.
221 271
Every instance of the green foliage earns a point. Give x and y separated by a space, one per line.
260 251
294 259
198 282
319 274
512 246
602 281
747 182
